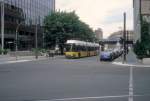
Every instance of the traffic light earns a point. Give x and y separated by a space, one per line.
121 40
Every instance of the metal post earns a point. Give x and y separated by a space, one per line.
36 43
17 38
140 17
124 37
2 25
43 40
127 40
16 42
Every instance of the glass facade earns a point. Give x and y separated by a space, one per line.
27 14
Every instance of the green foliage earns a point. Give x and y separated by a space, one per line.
5 51
1 51
142 48
139 49
61 26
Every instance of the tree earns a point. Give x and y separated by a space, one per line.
61 26
142 48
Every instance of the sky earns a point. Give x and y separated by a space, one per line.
105 14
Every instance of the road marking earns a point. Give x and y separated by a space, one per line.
133 65
88 98
18 61
131 84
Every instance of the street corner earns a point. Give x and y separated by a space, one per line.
121 64
130 64
12 62
20 60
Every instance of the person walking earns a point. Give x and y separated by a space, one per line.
51 54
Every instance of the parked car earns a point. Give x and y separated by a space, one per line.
106 55
117 52
110 54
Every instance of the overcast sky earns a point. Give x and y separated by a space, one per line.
105 14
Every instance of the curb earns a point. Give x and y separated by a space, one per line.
24 59
127 64
20 61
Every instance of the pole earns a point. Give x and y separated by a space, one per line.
17 38
140 17
43 40
2 25
36 43
124 37
127 34
16 42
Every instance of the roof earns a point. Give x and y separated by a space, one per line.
82 43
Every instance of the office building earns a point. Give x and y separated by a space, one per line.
117 35
25 16
99 34
141 13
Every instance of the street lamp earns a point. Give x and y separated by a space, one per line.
36 40
18 26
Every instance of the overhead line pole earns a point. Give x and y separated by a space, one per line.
124 37
16 47
36 40
2 25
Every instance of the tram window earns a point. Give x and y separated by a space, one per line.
68 48
77 48
88 48
74 47
83 48
92 49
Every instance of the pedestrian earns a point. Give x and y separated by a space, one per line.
53 53
49 54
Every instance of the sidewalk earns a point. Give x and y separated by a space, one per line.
131 59
6 59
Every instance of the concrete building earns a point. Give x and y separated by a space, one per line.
27 14
117 35
141 7
99 33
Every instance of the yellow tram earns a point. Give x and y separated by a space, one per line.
79 49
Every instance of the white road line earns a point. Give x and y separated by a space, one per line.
131 85
18 61
133 65
121 64
87 98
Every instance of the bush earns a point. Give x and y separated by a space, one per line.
43 50
1 51
5 51
39 50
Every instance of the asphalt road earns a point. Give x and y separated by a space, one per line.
83 79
